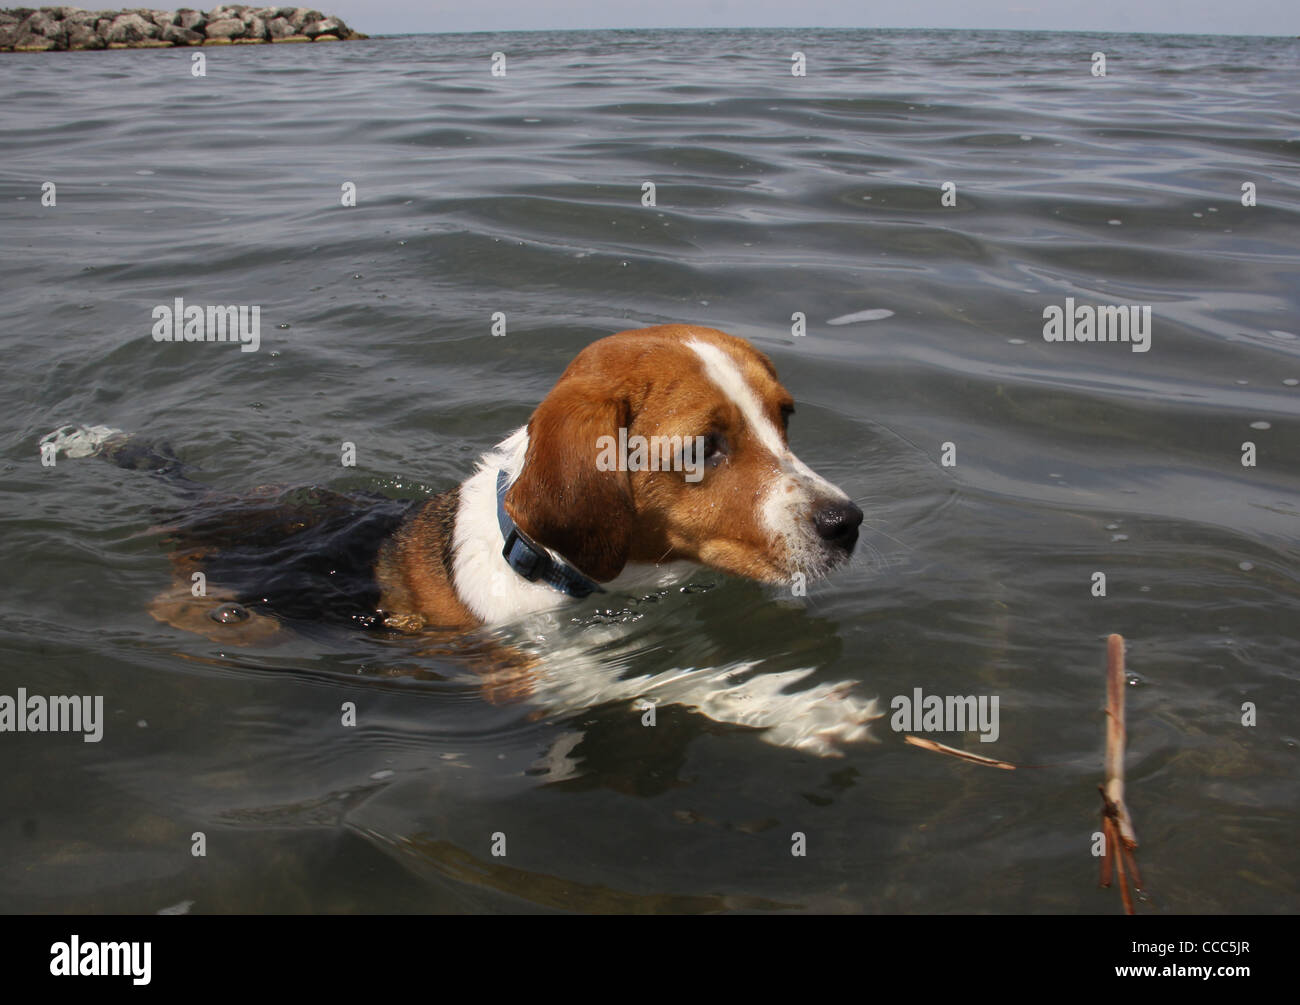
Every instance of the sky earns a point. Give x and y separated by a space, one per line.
1240 17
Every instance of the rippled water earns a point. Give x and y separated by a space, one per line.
775 195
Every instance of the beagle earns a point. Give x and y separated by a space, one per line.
544 517
545 520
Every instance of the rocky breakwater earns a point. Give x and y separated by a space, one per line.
56 29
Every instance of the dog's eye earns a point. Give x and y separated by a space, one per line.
708 451
715 449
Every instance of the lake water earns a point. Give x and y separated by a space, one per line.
775 195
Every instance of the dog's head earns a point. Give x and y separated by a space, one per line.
667 444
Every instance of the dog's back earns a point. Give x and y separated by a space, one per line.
304 555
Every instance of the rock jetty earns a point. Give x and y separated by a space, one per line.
56 29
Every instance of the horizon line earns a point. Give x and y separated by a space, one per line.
808 27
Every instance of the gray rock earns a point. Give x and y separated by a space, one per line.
128 28
228 27
177 35
63 27
44 23
84 36
278 28
194 20
32 41
324 26
254 26
304 15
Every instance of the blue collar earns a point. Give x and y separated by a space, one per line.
534 562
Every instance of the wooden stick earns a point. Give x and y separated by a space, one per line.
1116 737
940 748
1107 855
1118 859
1120 854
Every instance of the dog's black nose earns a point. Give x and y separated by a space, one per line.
838 523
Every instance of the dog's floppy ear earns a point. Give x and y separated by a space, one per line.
561 499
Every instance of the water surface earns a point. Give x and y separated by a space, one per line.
775 195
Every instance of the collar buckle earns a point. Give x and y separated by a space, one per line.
532 561
524 559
